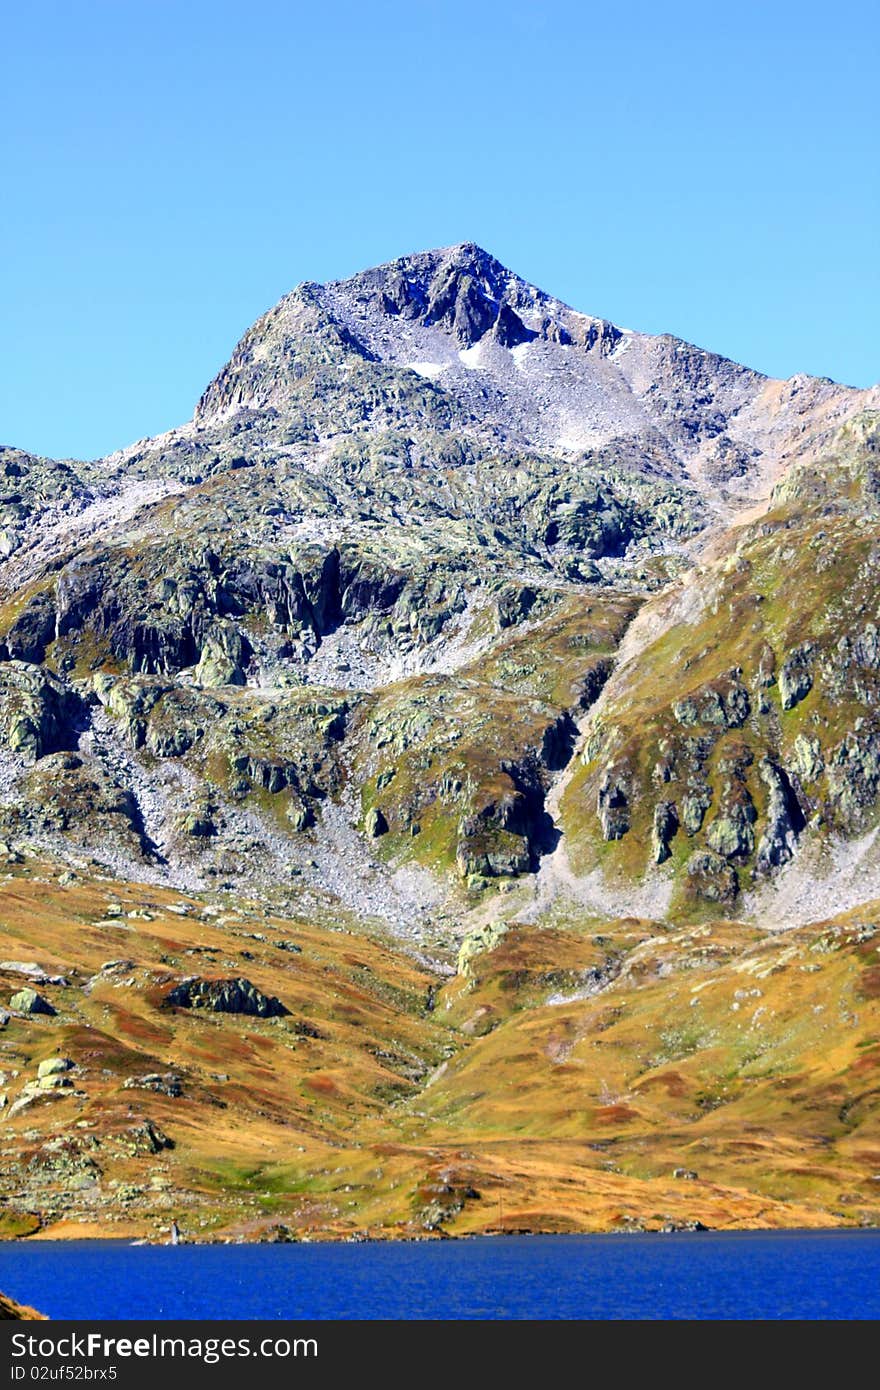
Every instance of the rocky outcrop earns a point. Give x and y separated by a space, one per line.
478 941
459 303
853 776
731 834
235 996
38 713
494 853
795 676
32 630
694 805
710 877
613 803
724 702
224 656
807 760
784 819
663 830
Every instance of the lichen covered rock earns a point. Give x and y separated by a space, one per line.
28 1001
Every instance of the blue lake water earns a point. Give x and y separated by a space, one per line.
834 1274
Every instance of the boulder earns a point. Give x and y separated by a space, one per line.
731 834
54 1082
375 823
54 1066
808 760
301 816
34 972
27 1001
694 806
164 1083
235 996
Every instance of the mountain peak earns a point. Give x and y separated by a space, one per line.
502 360
465 256
462 289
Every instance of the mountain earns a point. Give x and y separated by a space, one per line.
465 672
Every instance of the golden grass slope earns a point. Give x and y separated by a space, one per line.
561 1084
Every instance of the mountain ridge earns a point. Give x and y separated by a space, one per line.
430 289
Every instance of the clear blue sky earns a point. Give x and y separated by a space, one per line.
172 167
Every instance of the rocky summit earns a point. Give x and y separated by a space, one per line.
468 679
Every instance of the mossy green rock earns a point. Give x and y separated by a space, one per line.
482 939
28 1001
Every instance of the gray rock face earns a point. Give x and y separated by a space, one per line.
613 805
730 833
796 677
665 826
784 819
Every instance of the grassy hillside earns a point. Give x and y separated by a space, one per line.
747 728
558 1082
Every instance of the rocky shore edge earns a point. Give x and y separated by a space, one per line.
9 1309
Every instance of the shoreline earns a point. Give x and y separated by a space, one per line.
434 1238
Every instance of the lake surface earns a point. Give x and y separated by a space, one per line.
779 1274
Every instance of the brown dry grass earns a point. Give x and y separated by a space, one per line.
557 1087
